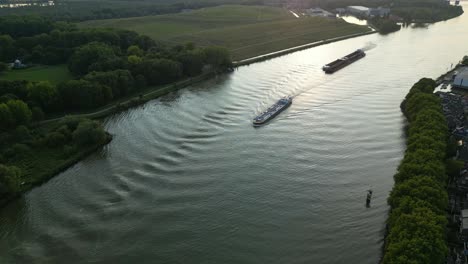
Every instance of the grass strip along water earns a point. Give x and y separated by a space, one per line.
417 221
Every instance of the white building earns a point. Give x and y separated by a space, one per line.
461 78
464 223
358 10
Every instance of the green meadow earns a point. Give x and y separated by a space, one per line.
53 74
247 31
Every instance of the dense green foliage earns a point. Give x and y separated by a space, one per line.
465 60
419 198
29 156
385 26
426 11
107 64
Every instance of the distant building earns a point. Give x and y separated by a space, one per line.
17 64
461 78
464 223
358 10
318 12
379 12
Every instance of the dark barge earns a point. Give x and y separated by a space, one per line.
272 111
343 62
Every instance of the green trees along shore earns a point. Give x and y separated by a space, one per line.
417 220
106 65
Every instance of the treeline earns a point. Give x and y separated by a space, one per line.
108 64
384 25
419 199
434 13
107 9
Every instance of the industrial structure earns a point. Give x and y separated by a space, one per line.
363 11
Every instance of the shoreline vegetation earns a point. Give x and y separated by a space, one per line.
417 222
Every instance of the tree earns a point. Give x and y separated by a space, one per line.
218 57
119 81
10 176
192 62
418 237
135 50
87 55
83 94
424 188
134 60
20 112
160 71
3 67
7 48
88 133
44 95
6 117
37 114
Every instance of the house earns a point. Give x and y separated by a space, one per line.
17 64
461 79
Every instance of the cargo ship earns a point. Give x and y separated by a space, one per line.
272 111
343 62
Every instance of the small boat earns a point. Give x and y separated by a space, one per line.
343 62
272 111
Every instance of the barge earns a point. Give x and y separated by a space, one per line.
343 62
272 111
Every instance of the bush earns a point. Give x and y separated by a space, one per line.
71 122
10 177
3 67
88 133
18 152
22 134
55 139
37 114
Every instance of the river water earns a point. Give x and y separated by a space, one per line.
187 179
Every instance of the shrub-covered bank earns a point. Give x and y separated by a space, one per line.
417 220
31 156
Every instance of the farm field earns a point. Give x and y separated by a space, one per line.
53 74
247 31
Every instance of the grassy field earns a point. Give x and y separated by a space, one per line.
247 31
53 74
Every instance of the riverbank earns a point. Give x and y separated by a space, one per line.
132 100
419 197
155 92
298 48
36 165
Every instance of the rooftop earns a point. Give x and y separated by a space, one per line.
360 8
463 73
